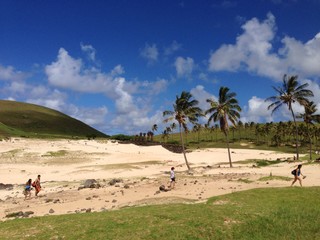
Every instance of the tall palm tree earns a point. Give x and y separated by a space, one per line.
224 110
184 110
309 117
289 93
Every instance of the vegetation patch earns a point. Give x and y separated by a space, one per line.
59 153
270 178
245 180
264 163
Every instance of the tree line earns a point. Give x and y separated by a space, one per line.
224 114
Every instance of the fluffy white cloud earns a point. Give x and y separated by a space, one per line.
256 111
72 74
10 74
202 95
91 116
315 88
69 73
253 52
150 52
184 66
303 58
54 99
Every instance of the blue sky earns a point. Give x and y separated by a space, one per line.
118 64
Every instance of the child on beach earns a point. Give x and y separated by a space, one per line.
297 172
172 178
27 189
36 184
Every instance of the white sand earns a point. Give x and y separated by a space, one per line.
142 169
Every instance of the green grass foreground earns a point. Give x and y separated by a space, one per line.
272 213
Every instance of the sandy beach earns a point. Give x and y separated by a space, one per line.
127 175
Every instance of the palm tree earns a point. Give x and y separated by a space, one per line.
184 110
309 117
224 110
289 93
154 128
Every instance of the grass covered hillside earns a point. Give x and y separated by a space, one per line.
29 120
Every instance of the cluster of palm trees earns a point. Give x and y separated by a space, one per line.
226 110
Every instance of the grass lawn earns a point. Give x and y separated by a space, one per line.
273 213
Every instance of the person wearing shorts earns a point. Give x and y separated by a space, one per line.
296 173
27 189
172 178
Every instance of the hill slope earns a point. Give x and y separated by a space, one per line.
24 119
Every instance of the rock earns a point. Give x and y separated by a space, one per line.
163 188
27 213
14 214
88 198
114 181
88 210
91 183
51 211
114 201
6 186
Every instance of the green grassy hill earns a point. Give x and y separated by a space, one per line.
29 120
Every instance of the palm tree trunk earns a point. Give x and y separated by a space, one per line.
296 127
229 154
310 142
183 149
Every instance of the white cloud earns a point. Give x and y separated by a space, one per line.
256 111
10 74
89 50
315 88
175 46
69 73
117 70
91 116
150 53
253 52
43 96
184 66
202 95
154 88
58 100
302 58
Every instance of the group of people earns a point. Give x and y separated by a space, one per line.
28 187
37 186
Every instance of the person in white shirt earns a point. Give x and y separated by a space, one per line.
172 178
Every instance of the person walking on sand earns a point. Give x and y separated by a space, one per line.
296 173
172 178
36 184
27 189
